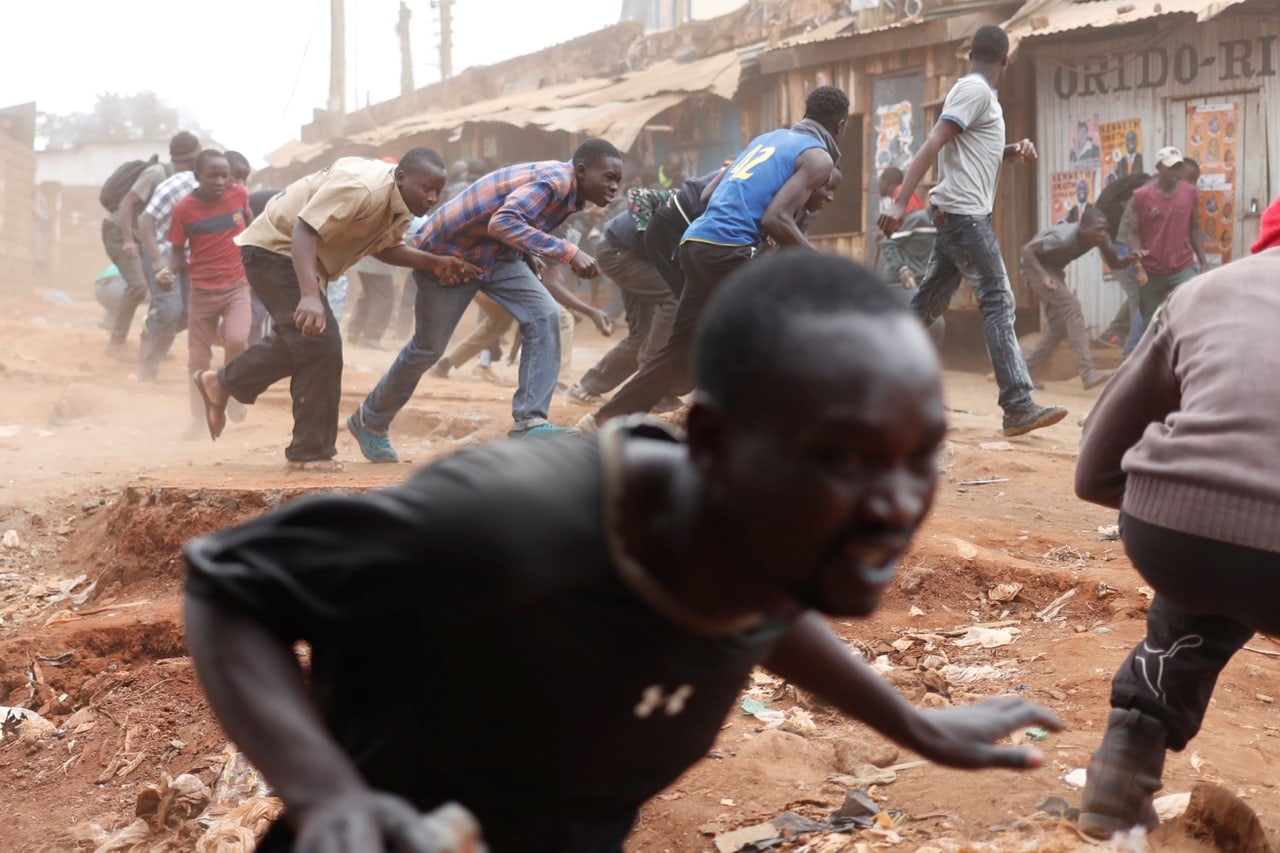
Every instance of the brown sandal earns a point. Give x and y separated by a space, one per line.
215 416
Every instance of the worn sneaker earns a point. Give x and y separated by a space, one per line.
542 431
1094 378
1036 417
440 370
581 395
587 424
375 446
1123 775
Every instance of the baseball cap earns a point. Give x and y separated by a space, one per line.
1168 157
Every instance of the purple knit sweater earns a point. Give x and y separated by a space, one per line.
1187 433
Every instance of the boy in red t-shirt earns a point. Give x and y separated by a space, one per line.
209 219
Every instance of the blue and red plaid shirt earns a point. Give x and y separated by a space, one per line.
505 214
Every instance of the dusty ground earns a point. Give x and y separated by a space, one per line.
101 489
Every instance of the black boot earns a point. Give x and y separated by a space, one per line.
1123 775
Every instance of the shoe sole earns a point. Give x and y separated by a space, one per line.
1045 420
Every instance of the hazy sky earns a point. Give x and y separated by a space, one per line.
251 71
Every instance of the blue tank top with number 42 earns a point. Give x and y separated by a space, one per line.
737 206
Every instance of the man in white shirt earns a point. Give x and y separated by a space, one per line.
968 145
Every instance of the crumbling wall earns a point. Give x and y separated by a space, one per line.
17 199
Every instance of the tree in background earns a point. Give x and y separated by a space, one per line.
115 118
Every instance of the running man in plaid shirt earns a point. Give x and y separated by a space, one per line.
496 224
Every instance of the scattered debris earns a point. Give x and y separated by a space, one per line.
1170 806
1052 609
1058 807
1146 592
11 539
1108 532
1067 554
987 638
1004 591
987 482
995 446
1076 778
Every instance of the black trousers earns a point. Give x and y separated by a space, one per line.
1210 598
312 363
662 245
705 266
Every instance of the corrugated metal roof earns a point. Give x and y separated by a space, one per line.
616 108
823 32
1047 17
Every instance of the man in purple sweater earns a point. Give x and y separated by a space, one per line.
1185 442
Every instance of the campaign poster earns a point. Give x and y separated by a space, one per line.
1212 131
1121 149
1071 190
1086 143
895 135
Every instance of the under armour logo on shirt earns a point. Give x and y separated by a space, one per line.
654 697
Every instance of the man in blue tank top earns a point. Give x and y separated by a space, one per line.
759 195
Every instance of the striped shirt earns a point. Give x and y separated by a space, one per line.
166 196
505 214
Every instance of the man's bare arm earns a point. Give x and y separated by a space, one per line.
812 169
255 688
815 659
943 132
309 315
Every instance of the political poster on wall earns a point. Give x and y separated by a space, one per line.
1086 144
1121 149
1071 191
1212 131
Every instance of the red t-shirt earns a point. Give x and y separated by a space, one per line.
209 229
1165 227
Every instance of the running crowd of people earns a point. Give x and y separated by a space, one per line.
644 569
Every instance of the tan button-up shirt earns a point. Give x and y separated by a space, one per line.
354 206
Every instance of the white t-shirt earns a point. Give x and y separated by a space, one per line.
969 165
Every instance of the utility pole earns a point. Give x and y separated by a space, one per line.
446 39
337 105
406 50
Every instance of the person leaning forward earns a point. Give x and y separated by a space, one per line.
642 588
307 235
502 224
760 196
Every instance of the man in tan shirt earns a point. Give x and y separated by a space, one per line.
309 234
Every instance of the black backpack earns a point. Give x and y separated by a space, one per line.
117 186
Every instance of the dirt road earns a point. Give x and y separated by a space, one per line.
100 489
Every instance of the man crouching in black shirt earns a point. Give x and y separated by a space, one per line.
635 575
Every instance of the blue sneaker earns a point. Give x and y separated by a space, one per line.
376 447
542 431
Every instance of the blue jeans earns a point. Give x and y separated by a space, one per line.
966 248
164 319
437 310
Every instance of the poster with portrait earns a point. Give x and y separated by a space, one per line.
895 135
895 128
1086 143
1071 189
1212 142
1121 149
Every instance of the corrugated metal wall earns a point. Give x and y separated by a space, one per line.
1234 58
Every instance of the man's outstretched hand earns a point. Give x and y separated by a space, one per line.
370 821
966 737
891 220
